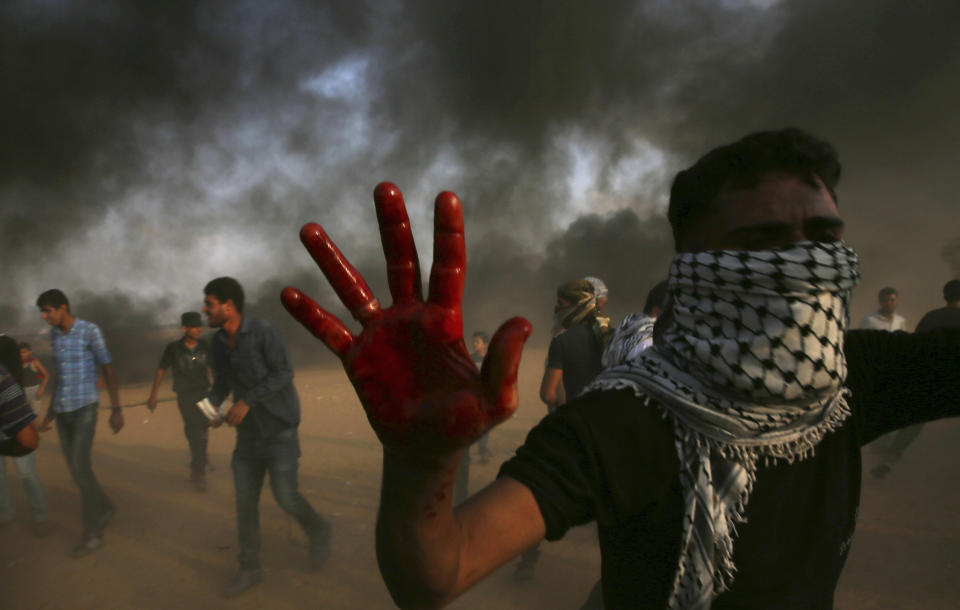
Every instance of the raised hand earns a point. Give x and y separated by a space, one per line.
410 367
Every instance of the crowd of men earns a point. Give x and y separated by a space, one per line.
714 437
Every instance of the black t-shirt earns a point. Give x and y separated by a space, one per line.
607 457
945 317
190 366
577 352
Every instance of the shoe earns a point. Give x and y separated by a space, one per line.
41 529
319 550
199 483
88 545
106 517
243 581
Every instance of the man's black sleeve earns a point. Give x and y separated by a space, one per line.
603 457
900 379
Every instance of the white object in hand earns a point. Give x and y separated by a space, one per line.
210 411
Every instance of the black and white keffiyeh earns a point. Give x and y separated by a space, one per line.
748 364
633 335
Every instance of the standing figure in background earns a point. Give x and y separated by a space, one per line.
189 357
35 375
78 349
892 446
886 316
635 332
479 343
573 360
11 397
250 362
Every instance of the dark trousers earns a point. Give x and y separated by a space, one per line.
195 428
76 429
252 459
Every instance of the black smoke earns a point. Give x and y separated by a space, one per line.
154 145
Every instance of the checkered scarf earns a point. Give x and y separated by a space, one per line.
748 364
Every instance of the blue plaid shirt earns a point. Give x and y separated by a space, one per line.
77 353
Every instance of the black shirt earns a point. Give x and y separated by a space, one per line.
577 352
609 458
945 317
190 373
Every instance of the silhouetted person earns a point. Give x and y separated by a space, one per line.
189 357
11 359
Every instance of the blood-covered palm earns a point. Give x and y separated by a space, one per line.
421 392
410 367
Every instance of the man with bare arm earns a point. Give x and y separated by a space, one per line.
78 349
749 410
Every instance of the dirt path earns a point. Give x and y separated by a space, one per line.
171 547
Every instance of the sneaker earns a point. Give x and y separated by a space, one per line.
319 549
243 581
106 517
41 529
88 545
199 483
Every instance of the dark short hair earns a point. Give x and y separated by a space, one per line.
951 291
10 357
887 291
226 289
482 335
656 297
742 165
53 298
24 345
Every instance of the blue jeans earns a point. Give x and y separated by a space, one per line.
27 470
76 429
252 459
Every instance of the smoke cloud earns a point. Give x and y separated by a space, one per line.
152 146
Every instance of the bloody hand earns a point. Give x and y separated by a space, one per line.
410 367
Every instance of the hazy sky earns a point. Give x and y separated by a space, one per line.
150 146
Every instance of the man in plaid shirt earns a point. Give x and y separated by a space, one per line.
78 349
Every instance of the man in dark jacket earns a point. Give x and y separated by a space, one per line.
250 361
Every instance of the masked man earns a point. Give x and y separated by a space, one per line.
722 465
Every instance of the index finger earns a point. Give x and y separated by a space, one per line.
449 252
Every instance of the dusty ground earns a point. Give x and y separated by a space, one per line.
171 547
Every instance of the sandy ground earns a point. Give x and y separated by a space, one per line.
171 547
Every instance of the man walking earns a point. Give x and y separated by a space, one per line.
250 361
189 357
78 349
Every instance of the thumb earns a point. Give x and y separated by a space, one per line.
498 375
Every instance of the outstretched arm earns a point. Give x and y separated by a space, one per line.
426 401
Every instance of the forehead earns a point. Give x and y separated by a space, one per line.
777 198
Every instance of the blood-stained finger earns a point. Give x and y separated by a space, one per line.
403 266
498 375
344 279
449 252
323 325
